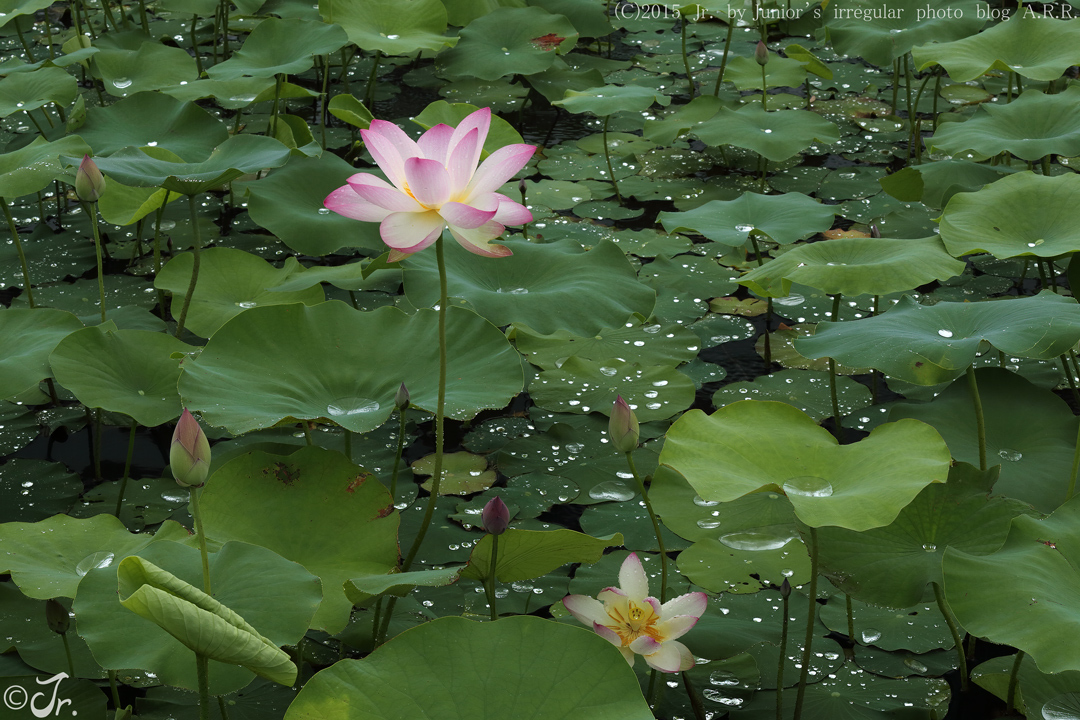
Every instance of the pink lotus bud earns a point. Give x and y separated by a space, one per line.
761 53
89 183
189 456
401 398
623 427
496 516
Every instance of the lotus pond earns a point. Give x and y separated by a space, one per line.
717 403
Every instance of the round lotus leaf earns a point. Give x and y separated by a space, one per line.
125 371
281 47
151 67
462 473
229 94
18 426
230 282
935 183
927 345
720 568
654 392
317 509
647 343
36 489
808 390
631 520
531 554
610 99
775 135
745 73
156 120
858 486
1029 44
783 218
716 330
1022 595
1023 214
539 285
505 41
32 90
29 335
688 277
393 27
1030 432
526 497
491 665
273 595
891 566
36 165
298 362
855 266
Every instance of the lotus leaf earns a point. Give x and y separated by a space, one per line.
529 554
648 344
281 46
462 473
783 218
654 392
32 90
29 336
745 73
34 166
807 390
611 99
775 135
361 590
151 67
393 27
718 567
156 120
934 183
508 40
230 94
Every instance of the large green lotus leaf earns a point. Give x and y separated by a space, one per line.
855 266
23 619
236 156
462 473
934 183
32 90
541 286
125 371
718 567
273 595
458 669
590 19
645 343
684 117
48 559
807 390
783 218
157 120
529 554
29 335
15 8
750 446
917 628
36 165
361 590
317 509
611 99
1024 594
745 73
151 67
508 40
1030 431
1031 126
1023 214
332 362
281 46
1029 44
229 94
124 205
654 392
230 282
880 34
31 489
289 203
931 344
776 135
892 565
393 27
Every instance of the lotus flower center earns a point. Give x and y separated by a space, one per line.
633 621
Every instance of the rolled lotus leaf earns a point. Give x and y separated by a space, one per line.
199 621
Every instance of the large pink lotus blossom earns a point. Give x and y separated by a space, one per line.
436 184
628 618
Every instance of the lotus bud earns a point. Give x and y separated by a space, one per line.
874 232
56 615
623 427
189 456
761 53
785 589
89 183
496 516
401 398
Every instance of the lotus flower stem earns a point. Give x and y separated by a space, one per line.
221 705
764 93
832 376
911 110
397 456
196 239
127 469
369 91
1010 698
200 533
225 29
324 98
695 699
850 617
142 17
1009 87
937 89
67 651
768 306
607 157
895 82
195 45
811 618
1075 467
91 210
97 443
202 669
157 248
19 249
271 128
723 60
26 45
113 689
656 527
491 577
307 432
980 422
785 594
946 612
685 59
1046 165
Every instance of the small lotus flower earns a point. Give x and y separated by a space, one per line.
89 182
56 615
401 398
189 456
436 184
623 427
496 516
638 624
761 53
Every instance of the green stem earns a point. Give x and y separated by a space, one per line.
324 99
723 60
685 59
91 209
946 612
142 17
1075 467
397 456
804 671
607 157
1010 698
221 708
200 533
113 690
26 45
225 10
307 433
67 651
780 664
654 691
695 700
768 307
369 91
375 617
202 669
850 617
832 376
97 443
196 239
127 468
157 249
19 249
655 525
348 443
491 577
271 128
440 409
1069 378
980 422
764 90
195 45
895 83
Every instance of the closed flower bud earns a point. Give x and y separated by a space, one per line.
89 182
56 615
496 516
761 53
401 398
874 232
623 427
189 456
785 588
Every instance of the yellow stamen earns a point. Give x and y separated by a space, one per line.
642 621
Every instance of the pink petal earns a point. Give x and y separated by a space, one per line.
611 594
461 162
632 578
499 167
476 241
692 604
654 603
435 142
479 121
677 626
344 201
645 645
428 181
465 216
512 213
672 657
379 192
390 147
586 609
608 634
411 231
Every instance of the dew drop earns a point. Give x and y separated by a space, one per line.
808 486
1010 455
945 333
344 407
702 502
870 635
611 490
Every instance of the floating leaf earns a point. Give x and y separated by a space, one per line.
281 47
32 90
30 335
156 120
775 135
610 99
529 554
462 473
506 41
394 27
648 344
151 67
808 390
31 168
783 218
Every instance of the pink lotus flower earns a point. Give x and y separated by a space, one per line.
436 184
638 624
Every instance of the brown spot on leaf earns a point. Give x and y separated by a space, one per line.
547 43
